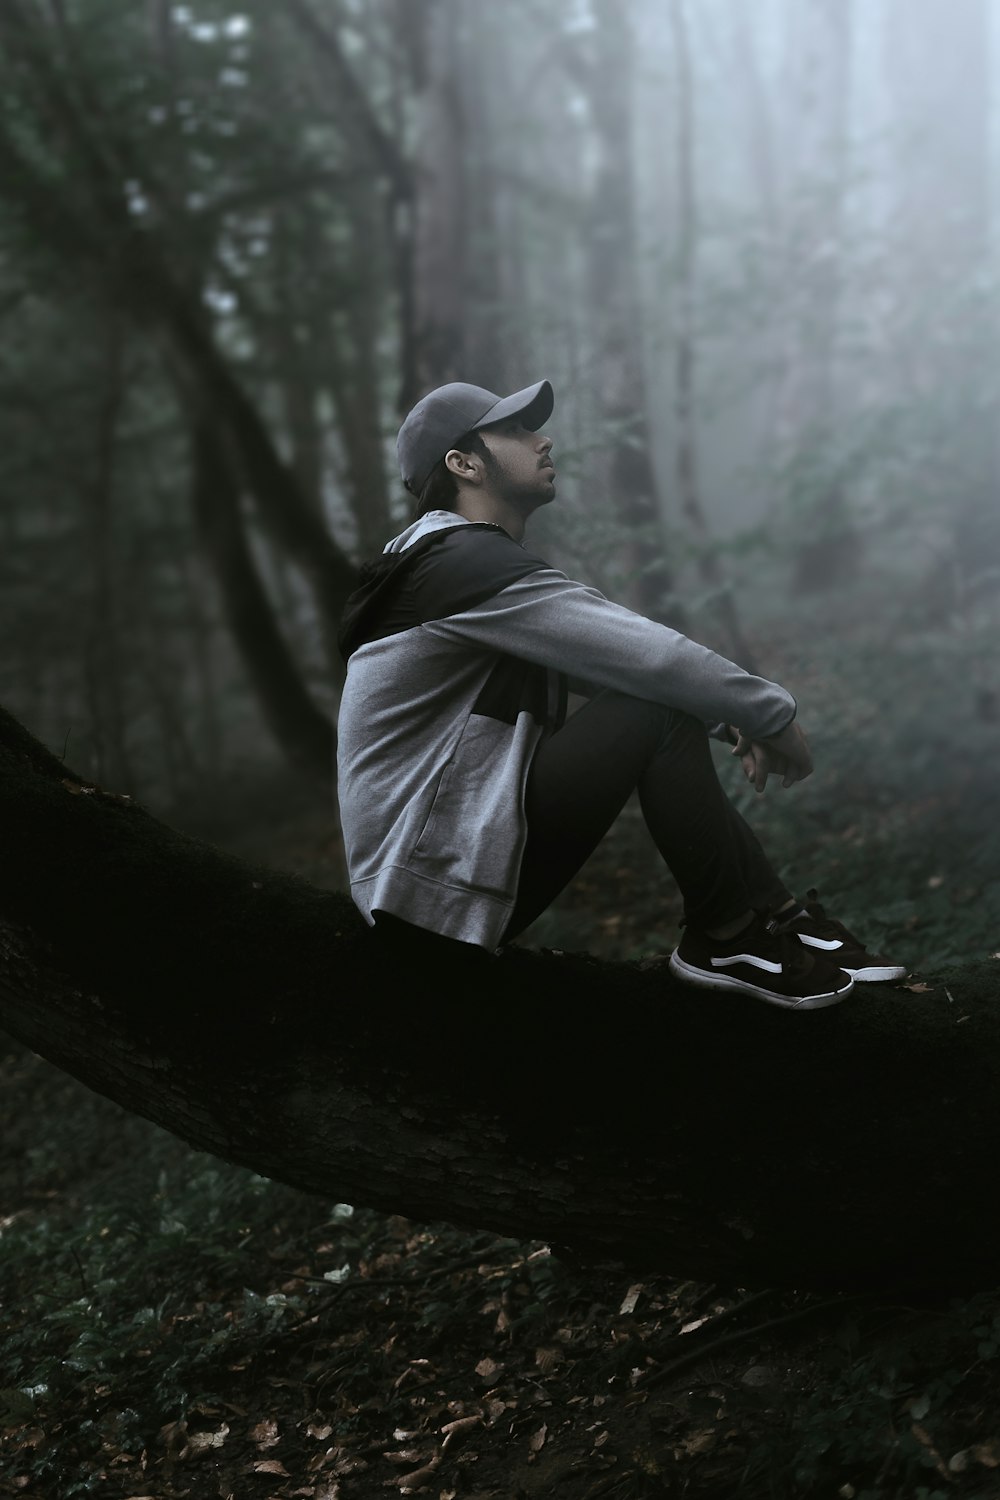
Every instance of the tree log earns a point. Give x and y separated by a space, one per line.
599 1106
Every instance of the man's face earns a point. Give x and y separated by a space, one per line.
520 466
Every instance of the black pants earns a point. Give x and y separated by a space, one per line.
583 775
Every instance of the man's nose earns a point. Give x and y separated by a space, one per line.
544 444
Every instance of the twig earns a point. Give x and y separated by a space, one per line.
371 1284
637 1343
732 1312
80 1270
684 1361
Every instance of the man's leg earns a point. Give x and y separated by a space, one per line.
582 777
767 893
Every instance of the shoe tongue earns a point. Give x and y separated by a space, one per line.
785 921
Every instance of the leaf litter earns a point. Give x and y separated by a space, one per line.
252 1368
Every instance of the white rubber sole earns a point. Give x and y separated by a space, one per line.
720 981
875 974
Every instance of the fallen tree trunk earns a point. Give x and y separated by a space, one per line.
598 1106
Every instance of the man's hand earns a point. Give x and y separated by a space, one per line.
786 755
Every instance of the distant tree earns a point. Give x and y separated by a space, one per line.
80 189
623 477
685 345
812 163
943 234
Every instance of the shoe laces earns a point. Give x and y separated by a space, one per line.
816 914
793 956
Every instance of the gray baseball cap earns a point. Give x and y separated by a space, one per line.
444 415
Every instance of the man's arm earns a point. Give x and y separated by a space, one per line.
545 617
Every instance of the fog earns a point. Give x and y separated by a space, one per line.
753 246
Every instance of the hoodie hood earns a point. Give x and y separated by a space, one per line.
434 520
379 580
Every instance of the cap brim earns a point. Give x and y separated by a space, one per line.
533 405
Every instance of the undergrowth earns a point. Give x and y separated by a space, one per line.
177 1326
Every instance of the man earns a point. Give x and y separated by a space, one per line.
469 800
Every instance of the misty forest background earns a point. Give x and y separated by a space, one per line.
754 248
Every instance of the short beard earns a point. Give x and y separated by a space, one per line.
501 484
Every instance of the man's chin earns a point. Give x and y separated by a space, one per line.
540 498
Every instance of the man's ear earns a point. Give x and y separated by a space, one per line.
463 465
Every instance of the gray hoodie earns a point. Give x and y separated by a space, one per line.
458 652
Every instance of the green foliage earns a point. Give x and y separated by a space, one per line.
888 1416
129 1310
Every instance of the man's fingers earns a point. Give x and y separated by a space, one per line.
793 748
762 766
786 755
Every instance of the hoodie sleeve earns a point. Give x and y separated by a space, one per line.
547 618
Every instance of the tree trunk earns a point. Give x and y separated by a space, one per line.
709 566
146 288
599 1106
629 475
303 732
103 673
830 550
440 206
944 252
284 510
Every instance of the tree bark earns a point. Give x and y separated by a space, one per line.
303 731
944 251
612 264
138 266
830 548
440 206
685 337
102 654
598 1106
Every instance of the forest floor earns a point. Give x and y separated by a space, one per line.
175 1327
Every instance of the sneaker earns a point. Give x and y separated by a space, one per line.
823 935
772 966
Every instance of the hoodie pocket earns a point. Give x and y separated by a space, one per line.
472 833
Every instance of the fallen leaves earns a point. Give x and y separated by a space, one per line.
631 1298
410 1483
268 1466
985 1454
537 1440
182 1444
548 1359
265 1434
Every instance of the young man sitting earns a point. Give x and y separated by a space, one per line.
469 800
